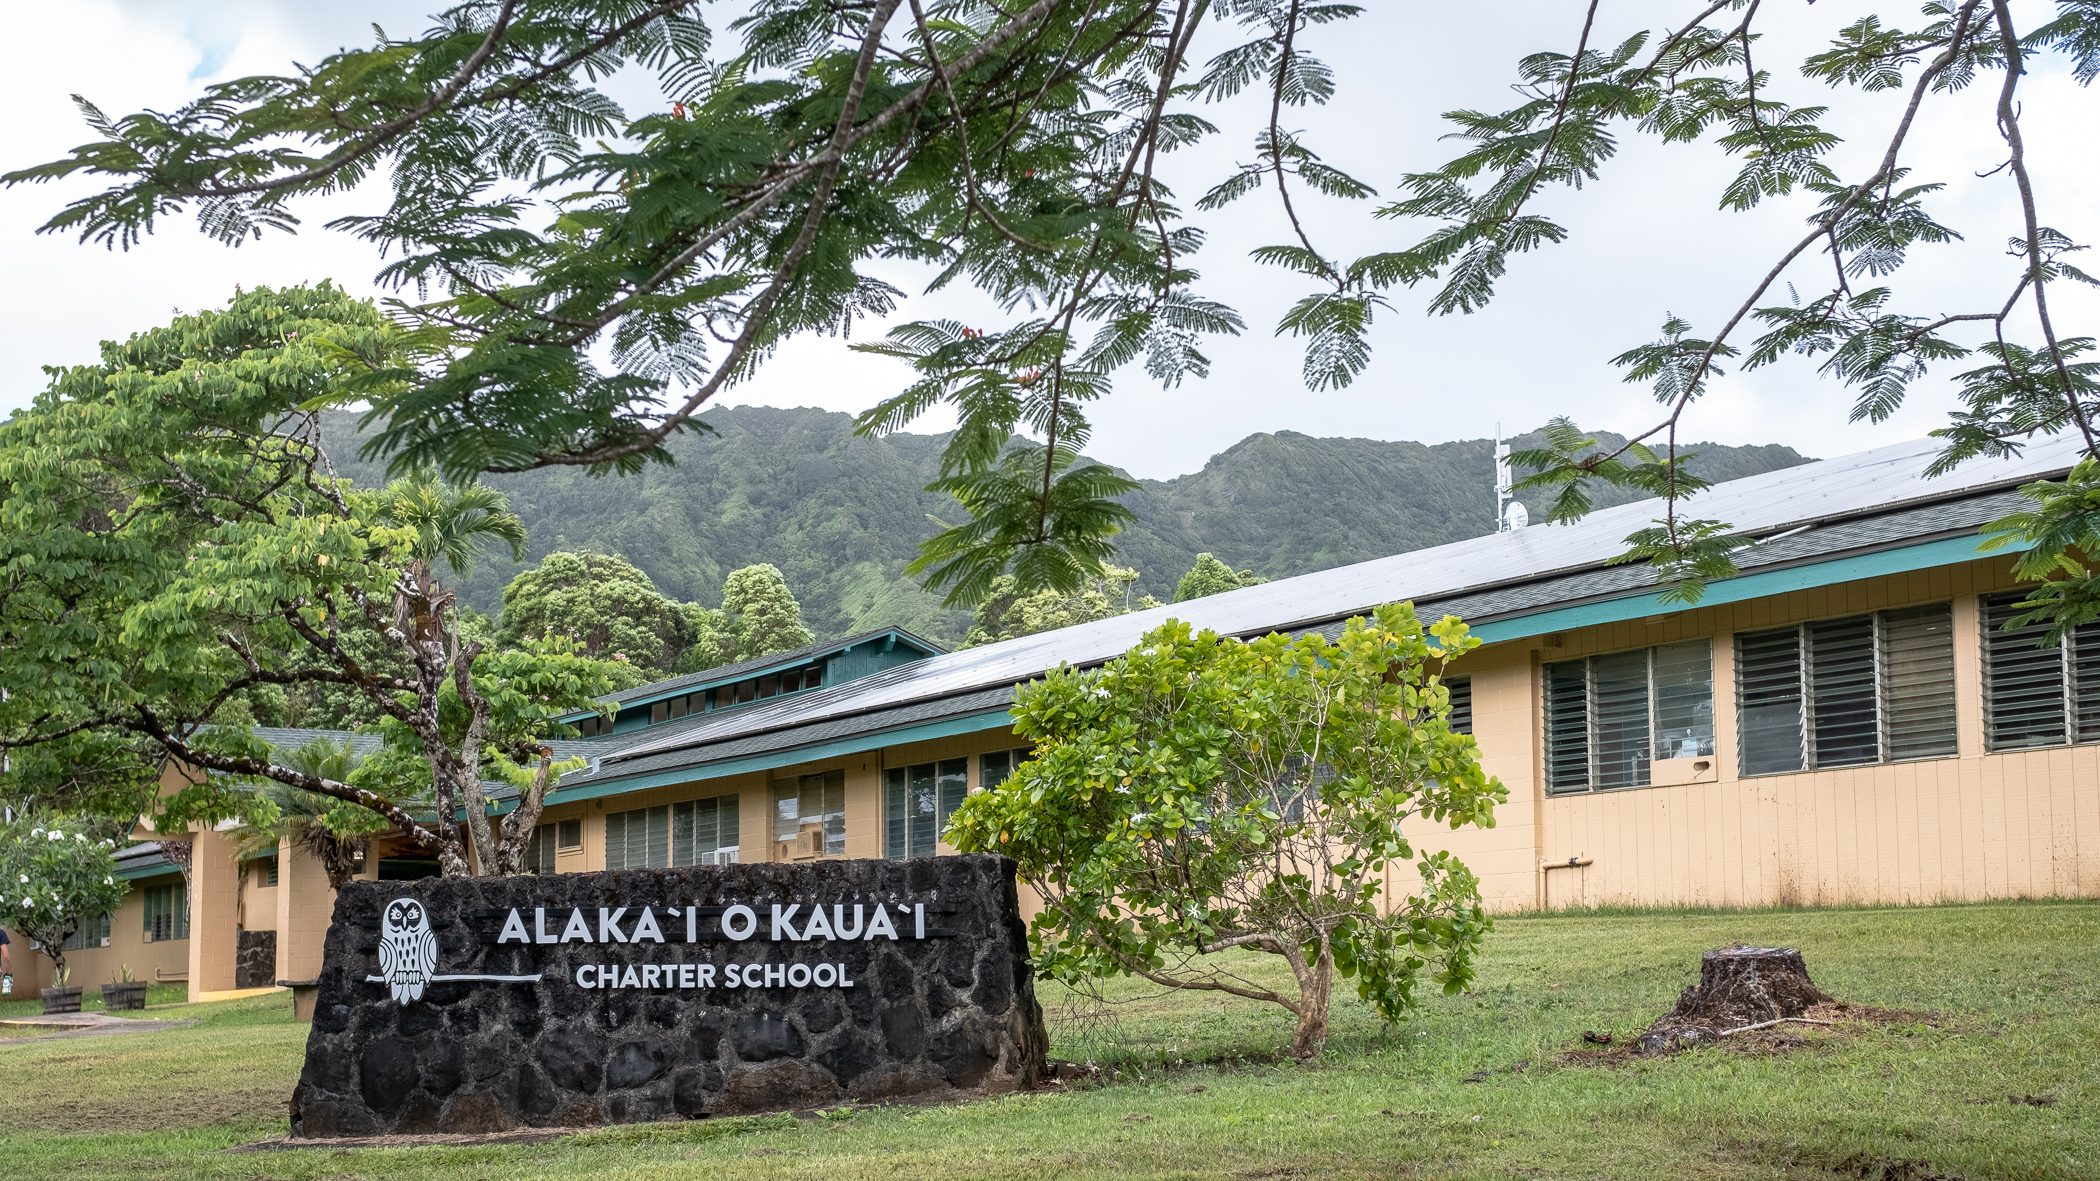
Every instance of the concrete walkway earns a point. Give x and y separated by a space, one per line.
44 1026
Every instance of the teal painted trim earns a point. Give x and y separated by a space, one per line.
773 760
1763 584
146 871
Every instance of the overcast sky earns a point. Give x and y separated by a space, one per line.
1646 241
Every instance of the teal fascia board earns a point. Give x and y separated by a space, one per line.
135 873
789 757
1763 584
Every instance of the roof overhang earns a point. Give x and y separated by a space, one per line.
1757 584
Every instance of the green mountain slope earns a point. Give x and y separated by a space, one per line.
842 515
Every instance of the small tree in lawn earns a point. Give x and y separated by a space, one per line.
54 874
1200 794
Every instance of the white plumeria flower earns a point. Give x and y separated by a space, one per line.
108 881
25 879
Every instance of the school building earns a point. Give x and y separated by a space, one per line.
1846 720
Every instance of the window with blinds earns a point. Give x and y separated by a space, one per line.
916 804
87 933
2037 693
539 851
994 766
1846 692
1461 691
1608 718
697 832
167 913
812 802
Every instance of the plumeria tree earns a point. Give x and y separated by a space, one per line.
1201 794
54 875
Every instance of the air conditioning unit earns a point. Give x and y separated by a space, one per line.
807 845
105 941
719 857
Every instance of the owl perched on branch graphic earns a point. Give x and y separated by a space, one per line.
408 950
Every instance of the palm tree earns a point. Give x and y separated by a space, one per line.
328 831
453 524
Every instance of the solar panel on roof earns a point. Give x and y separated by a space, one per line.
1870 481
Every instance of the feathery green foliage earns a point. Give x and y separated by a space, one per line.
580 281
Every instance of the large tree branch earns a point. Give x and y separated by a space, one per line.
146 722
2037 276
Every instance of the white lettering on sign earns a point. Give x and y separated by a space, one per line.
408 946
795 922
688 977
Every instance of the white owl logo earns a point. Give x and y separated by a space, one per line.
408 950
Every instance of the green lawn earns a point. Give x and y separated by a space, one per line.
2001 1082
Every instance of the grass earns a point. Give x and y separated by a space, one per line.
1999 1083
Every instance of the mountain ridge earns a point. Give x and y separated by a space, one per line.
842 514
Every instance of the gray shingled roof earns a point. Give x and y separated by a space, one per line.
1858 503
743 668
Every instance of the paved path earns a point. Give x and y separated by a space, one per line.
45 1026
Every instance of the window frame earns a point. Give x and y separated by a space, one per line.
730 804
1014 756
170 901
1460 692
787 828
2073 650
1590 720
947 780
1883 685
88 934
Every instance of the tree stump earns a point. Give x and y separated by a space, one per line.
1738 986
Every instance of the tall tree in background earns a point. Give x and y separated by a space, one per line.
173 542
761 612
1209 576
1009 611
606 604
1014 147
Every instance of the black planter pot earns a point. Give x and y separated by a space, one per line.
61 1000
124 995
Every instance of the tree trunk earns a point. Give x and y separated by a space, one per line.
1315 995
1738 986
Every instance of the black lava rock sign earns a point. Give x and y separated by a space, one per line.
484 1004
